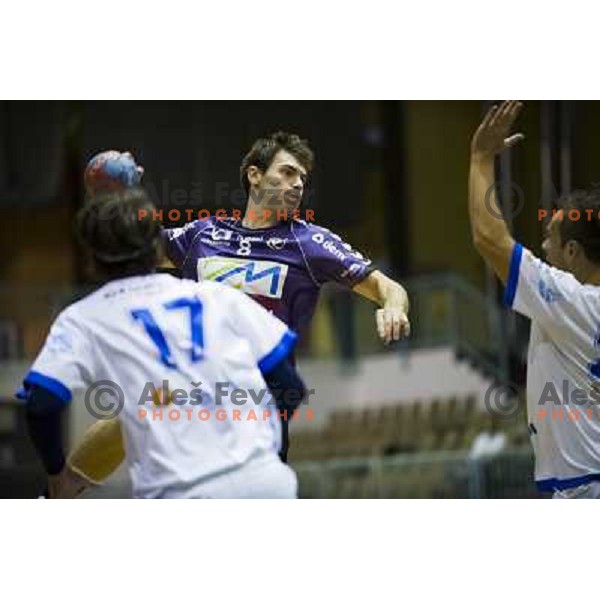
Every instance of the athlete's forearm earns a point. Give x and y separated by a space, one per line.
100 451
392 318
390 294
487 224
490 233
44 423
384 291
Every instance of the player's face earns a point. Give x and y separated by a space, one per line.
560 255
284 181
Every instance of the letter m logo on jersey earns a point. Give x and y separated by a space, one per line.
255 277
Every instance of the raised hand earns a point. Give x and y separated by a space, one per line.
493 135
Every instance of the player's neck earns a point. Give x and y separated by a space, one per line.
593 278
258 217
589 274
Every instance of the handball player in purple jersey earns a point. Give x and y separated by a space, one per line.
282 262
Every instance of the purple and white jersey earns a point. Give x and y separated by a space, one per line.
282 267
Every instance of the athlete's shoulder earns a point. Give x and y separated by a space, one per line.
191 228
225 221
553 283
76 313
317 233
223 225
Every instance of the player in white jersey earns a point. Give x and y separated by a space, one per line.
170 353
562 299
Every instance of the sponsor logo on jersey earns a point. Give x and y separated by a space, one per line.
215 236
276 243
548 293
175 232
333 249
250 238
220 234
255 277
211 242
319 238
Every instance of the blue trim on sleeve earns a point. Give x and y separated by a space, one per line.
54 386
513 275
282 350
552 485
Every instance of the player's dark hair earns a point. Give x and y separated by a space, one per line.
585 230
120 233
264 150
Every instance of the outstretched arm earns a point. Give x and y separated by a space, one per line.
490 233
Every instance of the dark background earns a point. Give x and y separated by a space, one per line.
390 175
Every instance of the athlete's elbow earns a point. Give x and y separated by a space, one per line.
297 393
496 253
483 241
297 388
479 241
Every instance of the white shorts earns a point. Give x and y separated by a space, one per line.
265 477
589 491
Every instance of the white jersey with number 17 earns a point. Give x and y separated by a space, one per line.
196 342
